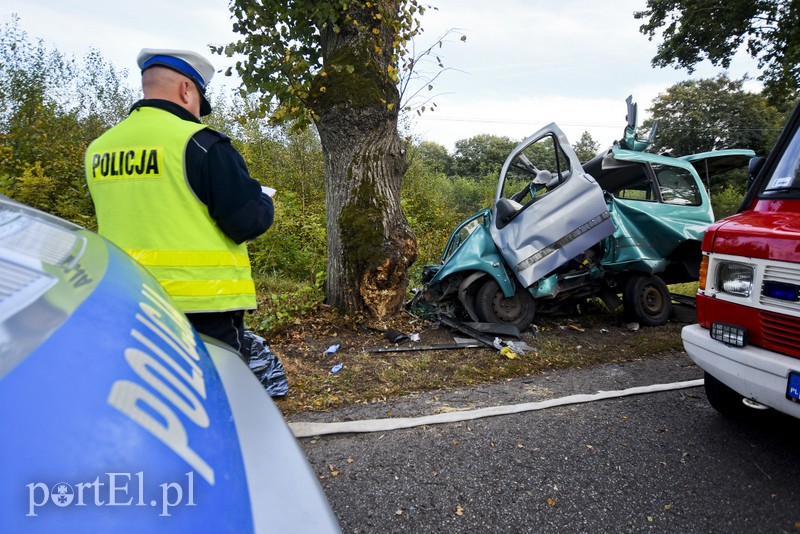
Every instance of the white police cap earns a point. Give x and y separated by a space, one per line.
190 64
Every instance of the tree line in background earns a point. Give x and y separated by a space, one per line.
52 107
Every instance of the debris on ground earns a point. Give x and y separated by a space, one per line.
441 346
395 336
265 365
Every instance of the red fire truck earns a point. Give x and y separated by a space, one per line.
748 303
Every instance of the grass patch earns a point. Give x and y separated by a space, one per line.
689 289
283 303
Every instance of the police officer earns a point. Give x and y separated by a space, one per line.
177 196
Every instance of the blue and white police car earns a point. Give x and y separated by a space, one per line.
116 416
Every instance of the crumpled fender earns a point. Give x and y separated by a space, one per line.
478 253
643 241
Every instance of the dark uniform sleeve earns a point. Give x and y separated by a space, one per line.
219 178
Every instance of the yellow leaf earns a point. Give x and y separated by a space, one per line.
459 510
551 502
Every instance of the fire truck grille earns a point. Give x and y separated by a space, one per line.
781 333
787 276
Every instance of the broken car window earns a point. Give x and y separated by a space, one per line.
535 171
639 189
677 185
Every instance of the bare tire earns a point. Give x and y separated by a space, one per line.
492 306
647 299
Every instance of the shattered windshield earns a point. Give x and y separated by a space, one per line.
785 181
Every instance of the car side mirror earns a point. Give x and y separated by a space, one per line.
504 212
753 168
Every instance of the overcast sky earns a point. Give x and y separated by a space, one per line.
525 63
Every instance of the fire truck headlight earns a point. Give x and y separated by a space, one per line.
735 278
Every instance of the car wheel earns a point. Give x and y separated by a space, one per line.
647 299
725 400
493 306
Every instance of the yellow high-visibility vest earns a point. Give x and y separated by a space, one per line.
144 204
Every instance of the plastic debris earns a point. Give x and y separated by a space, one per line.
508 353
395 336
336 368
331 349
265 365
515 347
414 337
632 327
499 344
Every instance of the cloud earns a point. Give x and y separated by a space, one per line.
520 117
525 64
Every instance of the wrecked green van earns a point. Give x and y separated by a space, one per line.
626 224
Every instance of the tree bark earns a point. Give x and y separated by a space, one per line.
370 244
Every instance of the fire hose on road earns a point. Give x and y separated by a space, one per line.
310 429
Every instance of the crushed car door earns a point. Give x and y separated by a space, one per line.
547 209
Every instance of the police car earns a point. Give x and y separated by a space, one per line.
116 416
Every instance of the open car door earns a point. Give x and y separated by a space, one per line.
547 209
708 164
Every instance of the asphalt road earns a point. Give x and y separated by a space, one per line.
661 462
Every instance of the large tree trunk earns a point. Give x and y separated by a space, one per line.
370 244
